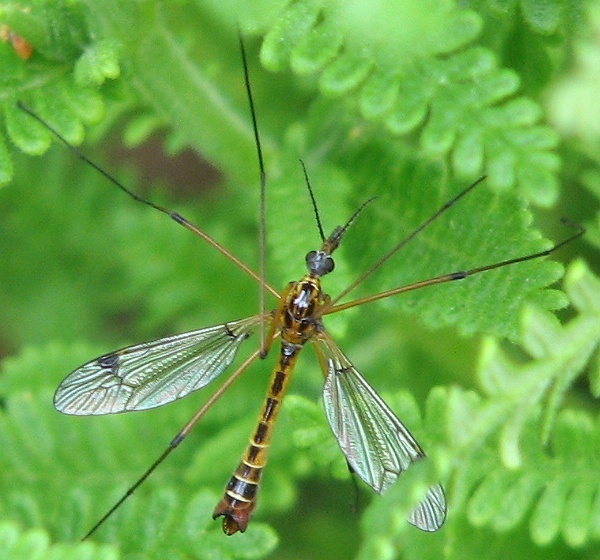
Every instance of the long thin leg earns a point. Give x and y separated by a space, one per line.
262 221
176 440
402 243
173 215
458 275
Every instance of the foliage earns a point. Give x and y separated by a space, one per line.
405 100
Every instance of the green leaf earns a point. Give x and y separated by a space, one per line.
560 353
454 101
543 15
98 63
544 452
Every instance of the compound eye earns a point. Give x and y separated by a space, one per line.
319 263
312 261
327 265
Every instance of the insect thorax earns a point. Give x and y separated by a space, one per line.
298 310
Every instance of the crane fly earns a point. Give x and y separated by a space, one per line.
376 444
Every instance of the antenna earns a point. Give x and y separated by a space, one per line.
313 201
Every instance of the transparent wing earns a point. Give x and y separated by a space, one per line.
153 373
376 444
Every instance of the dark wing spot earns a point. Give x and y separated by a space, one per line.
109 361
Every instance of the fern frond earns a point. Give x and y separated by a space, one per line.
559 355
556 486
59 81
514 455
426 77
544 17
541 456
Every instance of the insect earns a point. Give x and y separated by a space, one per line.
376 444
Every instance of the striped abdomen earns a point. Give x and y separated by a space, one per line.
241 491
